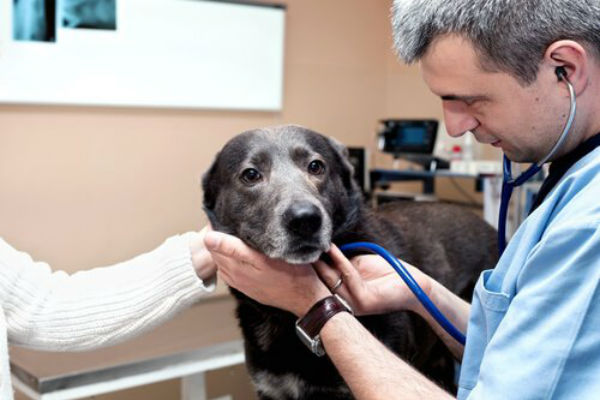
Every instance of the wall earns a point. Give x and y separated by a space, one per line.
83 186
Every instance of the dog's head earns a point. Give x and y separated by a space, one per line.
286 191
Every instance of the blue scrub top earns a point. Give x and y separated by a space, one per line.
534 328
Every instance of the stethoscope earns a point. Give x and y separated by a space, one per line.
509 183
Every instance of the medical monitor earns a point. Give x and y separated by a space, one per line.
407 136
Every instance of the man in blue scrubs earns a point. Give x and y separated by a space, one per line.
533 322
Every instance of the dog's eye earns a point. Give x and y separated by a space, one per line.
316 167
250 176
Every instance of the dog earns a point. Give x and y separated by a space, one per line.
289 192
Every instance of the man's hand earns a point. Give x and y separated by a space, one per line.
275 283
370 284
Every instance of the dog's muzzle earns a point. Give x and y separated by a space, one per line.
306 232
303 220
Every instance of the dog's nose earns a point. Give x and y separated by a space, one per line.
303 219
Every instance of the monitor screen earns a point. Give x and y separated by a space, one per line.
408 136
414 135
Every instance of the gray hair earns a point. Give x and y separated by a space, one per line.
509 35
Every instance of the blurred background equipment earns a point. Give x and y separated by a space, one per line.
411 139
419 155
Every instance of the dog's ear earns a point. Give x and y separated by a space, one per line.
210 185
347 169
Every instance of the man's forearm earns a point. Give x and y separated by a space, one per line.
369 368
456 311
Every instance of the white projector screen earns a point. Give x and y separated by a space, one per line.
157 53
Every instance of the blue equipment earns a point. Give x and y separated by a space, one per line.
410 282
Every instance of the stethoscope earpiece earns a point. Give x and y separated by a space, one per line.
561 73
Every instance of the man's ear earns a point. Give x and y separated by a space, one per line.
574 58
210 185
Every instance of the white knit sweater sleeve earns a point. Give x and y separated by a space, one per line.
56 311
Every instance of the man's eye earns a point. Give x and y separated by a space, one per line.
250 176
316 167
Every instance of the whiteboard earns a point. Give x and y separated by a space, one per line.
166 53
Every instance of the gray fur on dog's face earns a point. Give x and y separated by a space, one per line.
283 190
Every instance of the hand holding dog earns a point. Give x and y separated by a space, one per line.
201 259
272 282
370 284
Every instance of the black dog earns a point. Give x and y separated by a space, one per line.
288 192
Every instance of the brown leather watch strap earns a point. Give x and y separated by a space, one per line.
320 313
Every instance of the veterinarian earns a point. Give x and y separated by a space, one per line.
510 73
55 311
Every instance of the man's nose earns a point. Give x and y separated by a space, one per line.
457 119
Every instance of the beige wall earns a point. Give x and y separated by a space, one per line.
89 186
85 186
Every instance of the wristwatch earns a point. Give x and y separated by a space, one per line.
309 326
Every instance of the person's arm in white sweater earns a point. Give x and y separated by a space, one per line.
50 310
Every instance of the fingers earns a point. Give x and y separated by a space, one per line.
234 273
351 287
327 274
225 245
349 273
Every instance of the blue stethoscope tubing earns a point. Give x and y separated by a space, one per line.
410 282
508 184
